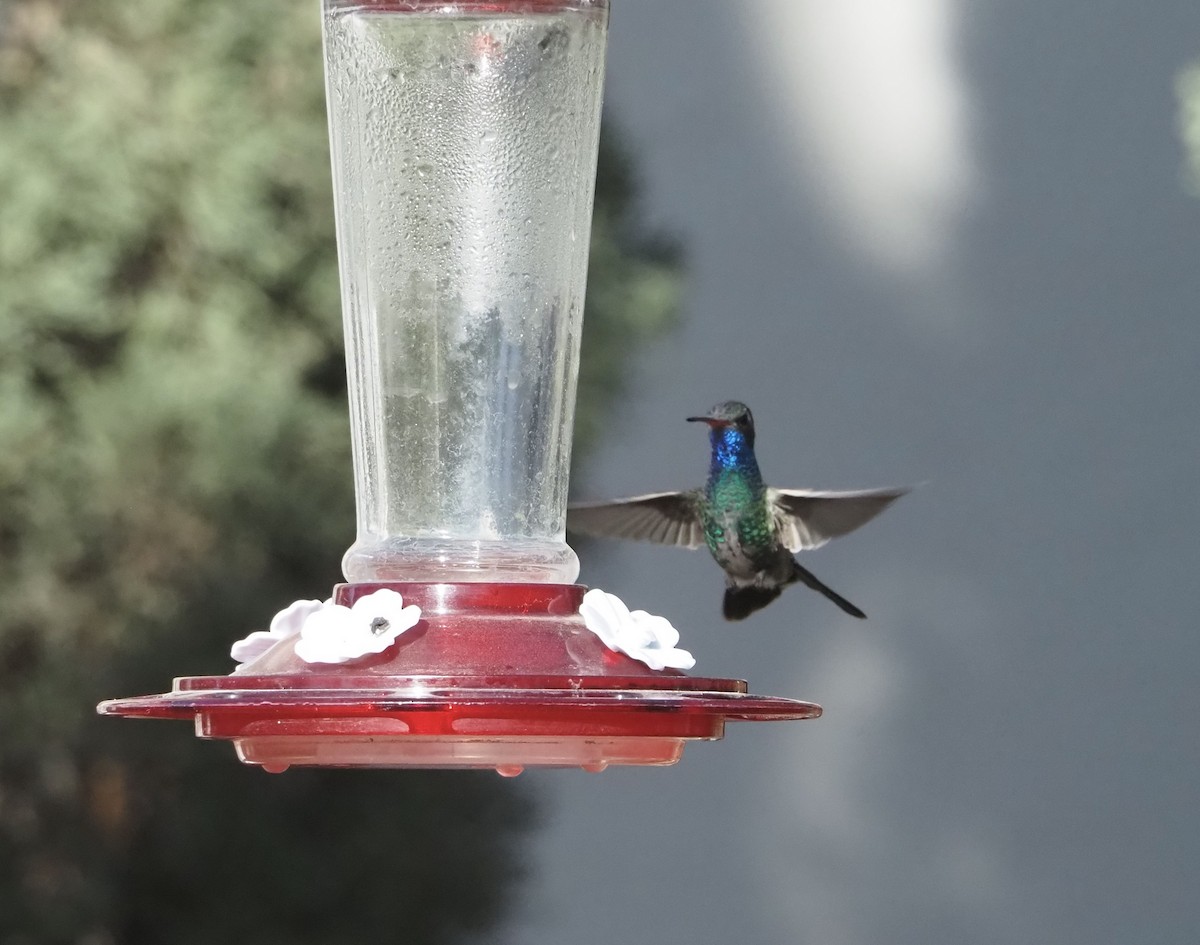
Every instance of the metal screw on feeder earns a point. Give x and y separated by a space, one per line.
464 140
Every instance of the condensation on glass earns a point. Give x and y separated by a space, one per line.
463 140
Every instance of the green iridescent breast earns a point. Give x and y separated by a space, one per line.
735 516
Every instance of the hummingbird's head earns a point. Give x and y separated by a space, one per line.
729 414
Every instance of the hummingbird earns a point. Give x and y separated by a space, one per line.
752 530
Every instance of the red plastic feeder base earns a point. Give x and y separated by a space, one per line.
502 676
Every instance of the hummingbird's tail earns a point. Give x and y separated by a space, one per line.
807 578
741 602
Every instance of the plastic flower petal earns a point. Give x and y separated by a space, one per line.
338 634
643 636
285 624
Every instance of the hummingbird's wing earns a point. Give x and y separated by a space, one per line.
668 518
806 519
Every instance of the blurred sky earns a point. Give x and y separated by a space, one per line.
929 241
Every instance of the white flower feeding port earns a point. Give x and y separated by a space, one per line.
643 636
463 138
336 634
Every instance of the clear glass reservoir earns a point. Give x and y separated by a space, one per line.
463 139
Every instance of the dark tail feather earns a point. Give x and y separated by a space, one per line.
807 578
741 602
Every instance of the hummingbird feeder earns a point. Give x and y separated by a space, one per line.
464 140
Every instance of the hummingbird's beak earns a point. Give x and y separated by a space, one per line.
711 421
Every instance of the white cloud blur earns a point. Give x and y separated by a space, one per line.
873 106
838 819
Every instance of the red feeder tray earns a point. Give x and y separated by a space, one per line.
502 676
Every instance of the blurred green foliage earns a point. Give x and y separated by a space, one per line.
174 466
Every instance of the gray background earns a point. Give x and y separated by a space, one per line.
939 242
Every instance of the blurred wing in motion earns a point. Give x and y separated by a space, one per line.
668 518
806 519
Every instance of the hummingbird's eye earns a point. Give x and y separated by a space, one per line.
746 418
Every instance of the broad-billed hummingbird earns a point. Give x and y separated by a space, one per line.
750 528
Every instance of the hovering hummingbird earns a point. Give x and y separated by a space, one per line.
750 528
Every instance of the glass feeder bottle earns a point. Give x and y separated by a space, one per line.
463 141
